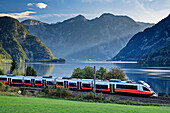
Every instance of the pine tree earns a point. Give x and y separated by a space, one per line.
14 66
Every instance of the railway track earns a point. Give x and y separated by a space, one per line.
157 100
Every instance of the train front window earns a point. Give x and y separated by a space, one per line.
60 83
86 85
145 89
3 79
101 86
27 81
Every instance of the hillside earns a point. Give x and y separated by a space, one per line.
160 56
19 44
80 38
144 42
4 56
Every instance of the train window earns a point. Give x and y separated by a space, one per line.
145 89
127 87
86 85
101 86
72 84
3 79
27 81
38 82
49 82
60 83
17 80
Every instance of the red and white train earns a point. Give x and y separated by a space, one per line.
111 86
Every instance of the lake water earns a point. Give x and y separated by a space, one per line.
157 77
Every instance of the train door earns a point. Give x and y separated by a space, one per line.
66 84
9 81
32 81
79 85
112 87
44 82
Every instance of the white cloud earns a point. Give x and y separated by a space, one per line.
25 14
39 5
30 4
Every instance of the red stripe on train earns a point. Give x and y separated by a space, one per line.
50 85
16 83
38 84
72 87
6 82
133 91
103 89
86 88
27 83
59 86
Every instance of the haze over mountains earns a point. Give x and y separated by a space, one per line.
152 45
16 43
80 38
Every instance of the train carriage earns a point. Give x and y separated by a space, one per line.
29 81
4 79
38 82
60 83
86 84
102 85
17 80
50 82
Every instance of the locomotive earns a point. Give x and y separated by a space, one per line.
110 86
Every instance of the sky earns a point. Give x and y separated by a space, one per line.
53 11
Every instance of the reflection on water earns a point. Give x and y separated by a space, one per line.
157 77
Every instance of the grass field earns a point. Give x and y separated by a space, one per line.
11 104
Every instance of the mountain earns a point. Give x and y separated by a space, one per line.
160 56
19 44
80 38
144 42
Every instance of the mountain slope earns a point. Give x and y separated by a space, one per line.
20 44
74 37
160 56
4 56
144 42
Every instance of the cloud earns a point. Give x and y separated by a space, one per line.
25 14
39 5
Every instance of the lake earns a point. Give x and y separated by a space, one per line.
157 77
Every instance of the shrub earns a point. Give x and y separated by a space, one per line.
13 89
89 96
99 97
14 66
3 87
58 92
166 95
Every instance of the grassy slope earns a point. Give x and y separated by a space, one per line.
32 104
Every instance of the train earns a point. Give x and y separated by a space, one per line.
110 86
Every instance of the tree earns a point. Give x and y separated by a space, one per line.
30 71
78 73
2 72
14 66
115 73
100 73
89 72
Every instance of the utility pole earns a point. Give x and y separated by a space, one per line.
95 81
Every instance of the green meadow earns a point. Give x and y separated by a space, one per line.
12 104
